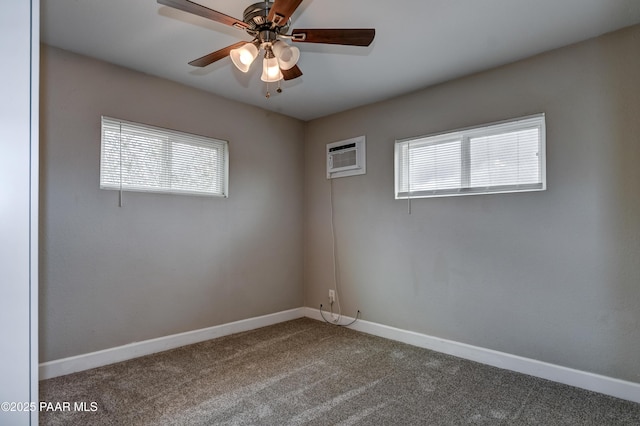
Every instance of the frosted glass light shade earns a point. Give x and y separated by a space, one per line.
287 55
244 56
271 70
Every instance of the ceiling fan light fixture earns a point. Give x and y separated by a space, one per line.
287 55
267 22
244 56
271 70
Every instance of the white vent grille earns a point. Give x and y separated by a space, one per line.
346 158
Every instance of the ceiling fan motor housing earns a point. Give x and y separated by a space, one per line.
256 17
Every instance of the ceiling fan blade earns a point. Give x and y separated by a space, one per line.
282 10
291 73
216 56
347 37
205 12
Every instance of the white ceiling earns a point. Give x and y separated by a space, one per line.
418 43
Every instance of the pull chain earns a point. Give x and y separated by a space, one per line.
279 90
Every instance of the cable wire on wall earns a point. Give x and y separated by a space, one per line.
338 317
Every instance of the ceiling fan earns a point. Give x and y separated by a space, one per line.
268 23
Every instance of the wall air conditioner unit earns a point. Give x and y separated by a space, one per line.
346 158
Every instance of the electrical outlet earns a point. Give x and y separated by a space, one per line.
332 296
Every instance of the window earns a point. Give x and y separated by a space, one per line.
501 157
137 157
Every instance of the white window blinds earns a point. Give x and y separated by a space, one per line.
502 157
137 157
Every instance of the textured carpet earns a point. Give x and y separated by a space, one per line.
308 372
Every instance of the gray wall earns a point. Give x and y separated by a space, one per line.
553 275
162 264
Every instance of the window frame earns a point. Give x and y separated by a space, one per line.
168 151
464 136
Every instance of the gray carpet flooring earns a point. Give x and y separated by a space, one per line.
306 372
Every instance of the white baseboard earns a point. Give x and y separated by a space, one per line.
82 362
580 379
